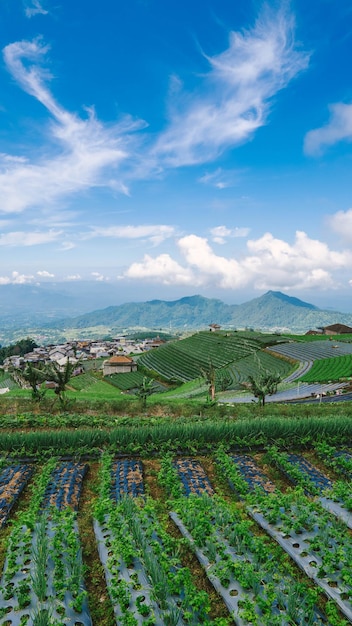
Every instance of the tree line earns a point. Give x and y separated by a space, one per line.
17 349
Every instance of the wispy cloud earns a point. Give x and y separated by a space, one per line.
270 263
339 128
34 7
220 179
35 238
154 233
233 99
83 152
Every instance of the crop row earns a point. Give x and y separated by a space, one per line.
126 381
185 359
314 350
325 370
257 363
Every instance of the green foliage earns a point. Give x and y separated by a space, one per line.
264 385
34 376
144 390
61 377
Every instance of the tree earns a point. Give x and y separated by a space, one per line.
264 385
209 375
34 376
61 377
144 390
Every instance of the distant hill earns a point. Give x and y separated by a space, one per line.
188 312
274 311
57 310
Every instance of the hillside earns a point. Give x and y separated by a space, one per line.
189 312
272 311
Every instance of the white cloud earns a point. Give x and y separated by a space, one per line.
307 263
234 98
83 151
341 223
162 269
338 129
154 233
45 274
73 277
221 233
20 238
16 279
269 264
34 7
99 277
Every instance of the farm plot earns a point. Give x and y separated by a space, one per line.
185 359
256 364
311 351
127 478
13 479
146 581
339 460
315 540
42 580
83 381
126 381
251 575
333 496
329 369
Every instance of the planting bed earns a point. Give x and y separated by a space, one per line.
127 478
12 480
42 580
251 473
317 542
255 583
145 578
193 477
333 496
65 485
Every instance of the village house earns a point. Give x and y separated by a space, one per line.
119 364
336 329
214 327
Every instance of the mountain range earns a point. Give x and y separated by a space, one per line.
44 313
274 311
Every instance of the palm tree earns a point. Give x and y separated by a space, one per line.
61 377
144 390
34 376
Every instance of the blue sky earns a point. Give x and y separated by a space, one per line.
178 148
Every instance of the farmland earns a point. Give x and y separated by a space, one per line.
170 539
184 360
325 370
183 513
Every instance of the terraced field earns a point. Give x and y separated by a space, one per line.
184 360
330 369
